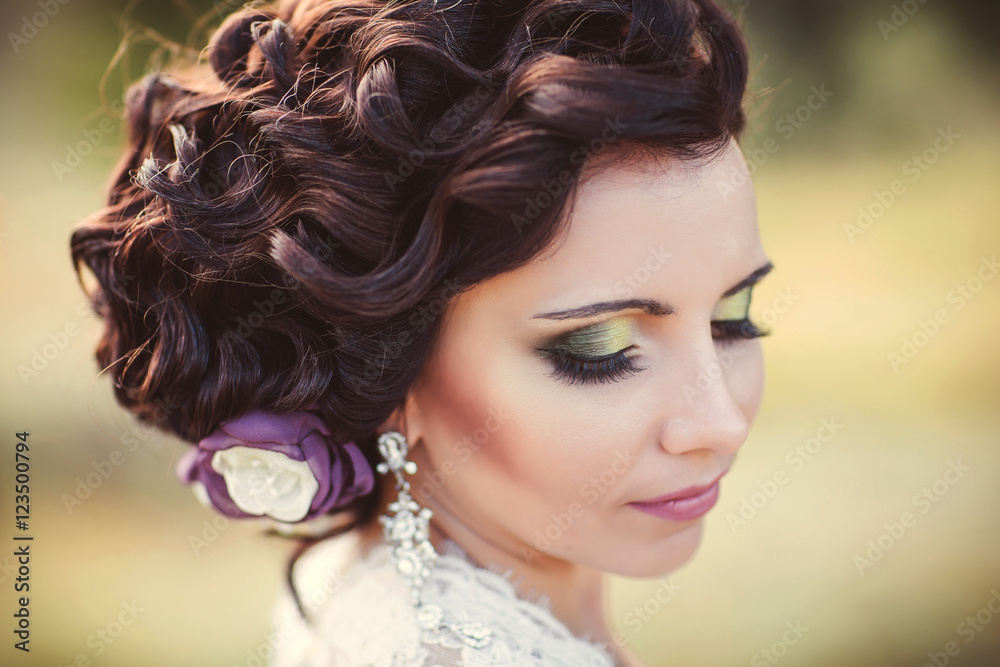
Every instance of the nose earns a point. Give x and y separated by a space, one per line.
702 412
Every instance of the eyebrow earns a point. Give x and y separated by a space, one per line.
649 306
752 279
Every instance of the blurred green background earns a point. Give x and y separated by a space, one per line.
879 205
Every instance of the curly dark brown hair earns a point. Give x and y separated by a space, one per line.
294 212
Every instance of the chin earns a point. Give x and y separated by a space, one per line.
662 556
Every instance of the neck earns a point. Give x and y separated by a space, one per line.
575 592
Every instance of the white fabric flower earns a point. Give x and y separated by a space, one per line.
202 494
262 481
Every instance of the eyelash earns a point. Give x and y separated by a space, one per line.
730 331
618 366
574 369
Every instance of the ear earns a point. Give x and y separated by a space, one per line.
405 419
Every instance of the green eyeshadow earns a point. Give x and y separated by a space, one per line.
735 307
599 340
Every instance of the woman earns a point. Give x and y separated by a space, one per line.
462 287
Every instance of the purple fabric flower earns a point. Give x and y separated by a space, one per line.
282 466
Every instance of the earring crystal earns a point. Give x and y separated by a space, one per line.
407 532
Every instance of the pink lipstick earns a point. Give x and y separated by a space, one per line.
683 505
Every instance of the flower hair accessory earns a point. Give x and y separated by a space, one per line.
283 466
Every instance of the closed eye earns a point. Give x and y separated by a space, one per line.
594 354
731 318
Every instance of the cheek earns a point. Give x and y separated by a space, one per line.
745 375
522 444
477 415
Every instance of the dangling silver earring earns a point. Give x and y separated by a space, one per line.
407 532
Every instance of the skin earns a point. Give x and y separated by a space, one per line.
543 486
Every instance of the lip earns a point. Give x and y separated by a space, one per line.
683 505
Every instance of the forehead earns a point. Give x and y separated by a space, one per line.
660 229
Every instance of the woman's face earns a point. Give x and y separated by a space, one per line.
606 372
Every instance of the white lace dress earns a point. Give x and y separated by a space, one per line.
363 616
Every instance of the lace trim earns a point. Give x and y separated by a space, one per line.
369 619
452 548
514 616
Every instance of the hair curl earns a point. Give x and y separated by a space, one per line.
291 217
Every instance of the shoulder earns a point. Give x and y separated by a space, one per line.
357 609
362 615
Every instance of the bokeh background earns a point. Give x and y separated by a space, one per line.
874 145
